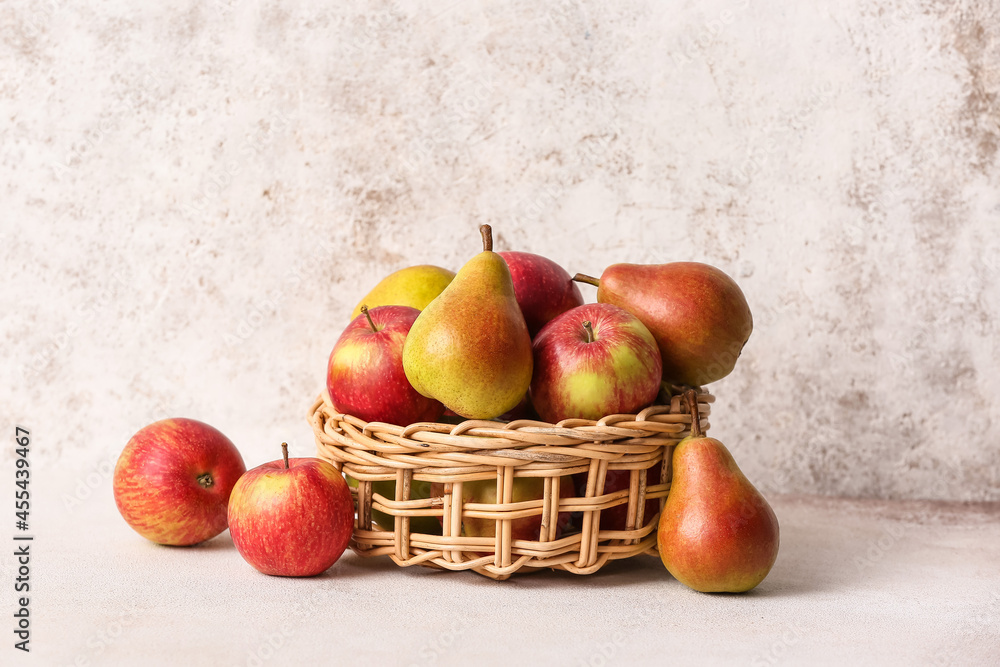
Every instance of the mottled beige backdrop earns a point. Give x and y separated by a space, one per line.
194 195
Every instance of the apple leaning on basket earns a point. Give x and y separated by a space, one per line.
490 420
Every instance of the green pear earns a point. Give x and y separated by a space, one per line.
716 533
470 348
414 286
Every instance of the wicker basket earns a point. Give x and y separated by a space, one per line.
452 455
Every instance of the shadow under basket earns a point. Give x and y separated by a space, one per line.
489 496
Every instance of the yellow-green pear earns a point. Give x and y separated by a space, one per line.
414 286
470 348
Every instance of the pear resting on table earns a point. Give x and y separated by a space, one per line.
717 533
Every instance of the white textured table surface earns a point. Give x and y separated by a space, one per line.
856 582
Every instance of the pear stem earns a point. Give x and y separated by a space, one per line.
692 398
584 278
284 453
590 331
364 309
487 233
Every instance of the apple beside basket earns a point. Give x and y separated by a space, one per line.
449 456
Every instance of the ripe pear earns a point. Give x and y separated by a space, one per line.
716 533
414 286
697 314
470 348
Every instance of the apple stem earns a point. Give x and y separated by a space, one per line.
284 453
590 331
364 309
206 480
692 398
584 278
487 233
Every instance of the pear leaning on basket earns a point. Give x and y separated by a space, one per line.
717 533
470 348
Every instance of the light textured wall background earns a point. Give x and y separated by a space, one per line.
196 193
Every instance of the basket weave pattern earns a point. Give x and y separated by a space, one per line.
451 455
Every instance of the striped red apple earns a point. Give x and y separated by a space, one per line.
594 360
291 517
365 375
173 480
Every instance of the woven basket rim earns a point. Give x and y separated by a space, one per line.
472 435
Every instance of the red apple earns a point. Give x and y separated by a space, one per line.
293 517
543 289
365 375
173 480
592 361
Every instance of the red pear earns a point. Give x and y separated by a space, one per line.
697 314
717 533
